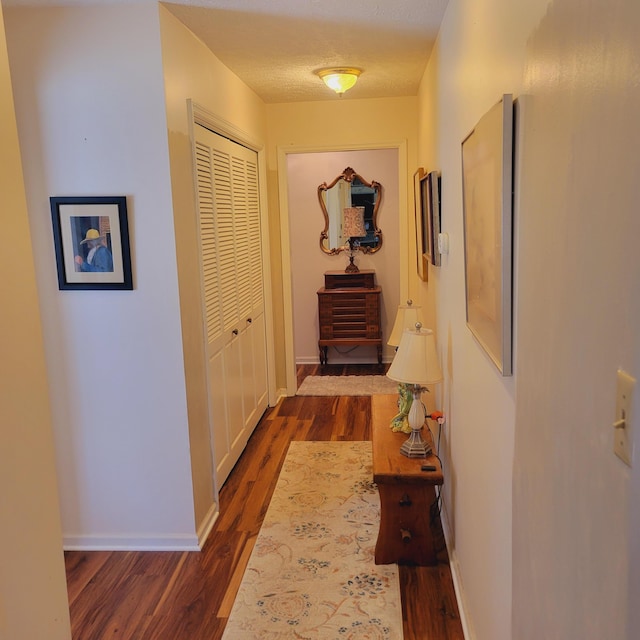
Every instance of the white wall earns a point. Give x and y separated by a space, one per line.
191 71
30 535
479 56
90 107
535 501
305 172
578 259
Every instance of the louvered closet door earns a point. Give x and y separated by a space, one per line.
231 254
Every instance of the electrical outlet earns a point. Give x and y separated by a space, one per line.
623 441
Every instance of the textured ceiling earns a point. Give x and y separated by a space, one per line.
275 46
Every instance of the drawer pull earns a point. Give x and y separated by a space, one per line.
249 320
235 332
405 500
406 535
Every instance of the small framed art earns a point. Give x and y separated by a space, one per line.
423 255
91 240
431 207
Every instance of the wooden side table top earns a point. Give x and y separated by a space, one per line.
389 465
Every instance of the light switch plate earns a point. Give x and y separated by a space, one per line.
623 441
443 243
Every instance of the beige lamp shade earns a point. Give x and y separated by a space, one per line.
353 223
406 318
416 361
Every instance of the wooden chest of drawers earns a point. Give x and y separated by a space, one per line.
365 279
349 312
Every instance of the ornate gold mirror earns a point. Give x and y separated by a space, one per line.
350 208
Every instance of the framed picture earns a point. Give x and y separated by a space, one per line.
91 239
487 176
422 240
431 205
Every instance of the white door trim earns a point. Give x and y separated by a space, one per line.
285 238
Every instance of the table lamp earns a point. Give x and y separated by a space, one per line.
352 229
406 318
416 365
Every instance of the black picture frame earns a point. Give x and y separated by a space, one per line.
91 240
431 206
422 242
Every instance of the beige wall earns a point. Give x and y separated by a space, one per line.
33 594
536 503
425 293
350 124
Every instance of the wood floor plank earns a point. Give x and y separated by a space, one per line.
435 615
195 595
170 584
234 583
127 587
81 568
188 595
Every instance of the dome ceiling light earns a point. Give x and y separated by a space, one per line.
339 79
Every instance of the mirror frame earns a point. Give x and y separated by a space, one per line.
348 175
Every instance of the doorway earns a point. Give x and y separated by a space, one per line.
304 264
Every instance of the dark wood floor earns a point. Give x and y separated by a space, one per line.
189 595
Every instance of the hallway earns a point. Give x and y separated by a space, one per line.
188 596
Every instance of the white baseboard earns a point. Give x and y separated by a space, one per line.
178 542
467 627
207 524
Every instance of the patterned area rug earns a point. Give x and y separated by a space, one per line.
346 386
311 574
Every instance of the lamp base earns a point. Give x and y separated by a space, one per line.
415 446
352 267
400 421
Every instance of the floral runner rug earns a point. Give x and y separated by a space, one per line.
346 386
311 574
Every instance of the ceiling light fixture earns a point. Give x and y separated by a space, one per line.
340 80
